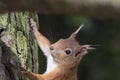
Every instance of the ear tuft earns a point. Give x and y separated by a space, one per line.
73 35
89 47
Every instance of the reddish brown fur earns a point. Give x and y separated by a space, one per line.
66 68
56 74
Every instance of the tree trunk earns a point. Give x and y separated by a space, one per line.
17 45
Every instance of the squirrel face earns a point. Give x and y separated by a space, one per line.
67 52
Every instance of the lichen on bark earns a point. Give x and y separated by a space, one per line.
20 47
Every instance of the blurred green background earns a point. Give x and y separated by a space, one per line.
100 64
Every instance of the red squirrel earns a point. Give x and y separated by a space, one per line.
63 56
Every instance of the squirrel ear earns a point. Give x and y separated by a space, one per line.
82 50
73 35
85 48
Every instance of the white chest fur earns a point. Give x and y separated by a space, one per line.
50 64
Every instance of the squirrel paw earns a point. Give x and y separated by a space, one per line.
33 25
24 71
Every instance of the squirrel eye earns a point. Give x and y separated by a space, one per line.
68 51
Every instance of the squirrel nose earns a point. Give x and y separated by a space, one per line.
51 48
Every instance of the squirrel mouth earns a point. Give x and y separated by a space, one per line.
52 54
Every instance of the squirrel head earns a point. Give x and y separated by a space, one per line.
68 52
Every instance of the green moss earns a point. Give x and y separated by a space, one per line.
22 47
3 20
20 40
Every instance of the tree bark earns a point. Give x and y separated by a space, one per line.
95 8
17 45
